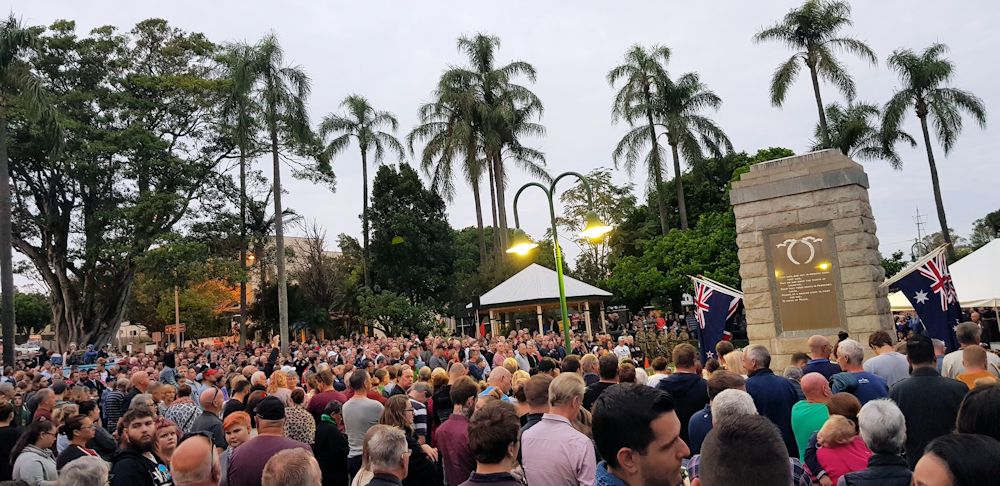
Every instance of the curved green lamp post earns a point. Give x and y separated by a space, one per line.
522 244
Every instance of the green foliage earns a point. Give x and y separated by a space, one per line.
394 314
985 229
204 308
420 267
893 265
855 131
33 312
664 263
612 203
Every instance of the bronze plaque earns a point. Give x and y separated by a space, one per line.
805 279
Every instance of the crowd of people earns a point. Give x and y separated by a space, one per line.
507 410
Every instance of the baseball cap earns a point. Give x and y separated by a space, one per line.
210 372
270 408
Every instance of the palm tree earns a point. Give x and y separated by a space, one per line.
688 132
502 114
281 91
241 116
812 31
363 123
16 82
925 79
855 131
260 226
645 73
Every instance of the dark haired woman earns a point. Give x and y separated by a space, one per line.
78 429
959 460
32 456
422 471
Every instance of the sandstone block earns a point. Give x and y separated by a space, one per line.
761 331
773 220
859 290
751 270
749 239
851 258
857 241
752 254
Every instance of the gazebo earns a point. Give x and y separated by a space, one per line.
536 289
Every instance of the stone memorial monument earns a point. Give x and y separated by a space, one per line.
808 253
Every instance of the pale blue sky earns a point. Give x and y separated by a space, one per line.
393 53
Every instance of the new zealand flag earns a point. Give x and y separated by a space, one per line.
713 308
932 293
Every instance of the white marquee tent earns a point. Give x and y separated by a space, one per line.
976 277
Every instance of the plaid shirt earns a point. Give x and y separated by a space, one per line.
799 475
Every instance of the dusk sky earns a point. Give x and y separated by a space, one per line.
394 52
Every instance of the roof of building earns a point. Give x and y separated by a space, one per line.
537 284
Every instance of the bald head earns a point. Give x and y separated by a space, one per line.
456 371
292 466
211 400
816 388
193 463
500 378
140 381
819 347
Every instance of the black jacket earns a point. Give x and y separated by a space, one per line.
930 404
883 470
331 450
384 480
130 468
690 394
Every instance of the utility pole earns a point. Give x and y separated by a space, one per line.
919 248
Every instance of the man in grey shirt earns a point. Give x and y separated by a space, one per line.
209 421
360 414
887 363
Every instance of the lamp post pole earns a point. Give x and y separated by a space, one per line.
549 194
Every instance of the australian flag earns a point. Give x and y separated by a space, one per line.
932 294
714 306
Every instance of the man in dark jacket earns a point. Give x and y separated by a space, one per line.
928 400
883 429
688 389
819 354
388 456
331 446
608 369
136 464
773 395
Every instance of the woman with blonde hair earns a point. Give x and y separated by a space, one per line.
439 378
511 365
278 386
734 362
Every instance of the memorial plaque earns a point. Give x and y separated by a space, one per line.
805 279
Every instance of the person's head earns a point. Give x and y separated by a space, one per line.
79 428
589 363
398 412
844 404
626 373
420 392
819 346
732 402
46 398
920 351
270 415
496 429
850 355
510 364
571 364
195 463
958 460
837 430
167 436
660 364
211 400
297 397
723 348
883 426
292 466
388 452
968 333
139 432
566 394
816 388
405 378
974 358
463 394
733 361
360 381
724 380
536 393
140 381
237 428
980 412
879 340
608 367
685 356
84 471
746 450
500 378
799 359
637 432
756 357
241 386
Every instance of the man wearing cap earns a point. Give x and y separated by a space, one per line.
247 463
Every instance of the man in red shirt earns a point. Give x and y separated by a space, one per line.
318 403
452 437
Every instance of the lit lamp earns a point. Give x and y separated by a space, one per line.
251 258
593 230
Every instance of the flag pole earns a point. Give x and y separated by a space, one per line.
724 286
717 286
913 266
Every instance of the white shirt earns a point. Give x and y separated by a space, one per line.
952 364
655 379
622 351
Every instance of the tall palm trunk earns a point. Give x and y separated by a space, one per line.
501 200
935 183
661 200
479 222
498 250
6 263
824 130
279 243
243 246
365 262
681 205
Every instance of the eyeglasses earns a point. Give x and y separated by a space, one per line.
410 410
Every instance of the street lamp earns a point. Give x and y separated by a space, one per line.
593 230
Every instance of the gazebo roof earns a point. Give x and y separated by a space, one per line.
537 284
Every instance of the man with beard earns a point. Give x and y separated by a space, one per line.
136 464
